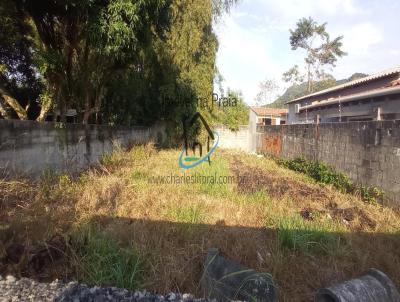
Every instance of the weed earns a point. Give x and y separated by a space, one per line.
260 197
308 237
371 194
323 173
320 172
137 174
54 185
103 262
215 178
186 214
115 158
175 224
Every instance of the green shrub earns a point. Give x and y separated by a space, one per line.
323 173
371 194
320 172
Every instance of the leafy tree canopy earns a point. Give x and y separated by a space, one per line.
116 62
321 51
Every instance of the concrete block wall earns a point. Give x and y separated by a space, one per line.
229 139
29 148
368 152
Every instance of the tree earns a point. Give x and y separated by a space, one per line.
221 6
267 91
67 50
293 75
234 115
81 44
19 84
321 51
111 61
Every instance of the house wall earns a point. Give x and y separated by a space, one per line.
294 118
365 108
368 152
29 148
361 87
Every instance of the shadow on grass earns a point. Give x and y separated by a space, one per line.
300 260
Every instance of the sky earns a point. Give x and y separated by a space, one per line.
254 39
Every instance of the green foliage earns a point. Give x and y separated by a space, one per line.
293 75
55 185
137 174
231 116
175 70
320 172
103 262
18 76
323 173
115 62
371 194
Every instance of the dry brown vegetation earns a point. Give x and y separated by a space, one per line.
274 220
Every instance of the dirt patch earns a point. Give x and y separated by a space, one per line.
307 214
349 216
252 179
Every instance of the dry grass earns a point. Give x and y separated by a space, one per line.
275 221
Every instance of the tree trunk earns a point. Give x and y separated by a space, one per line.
4 112
43 112
13 103
50 97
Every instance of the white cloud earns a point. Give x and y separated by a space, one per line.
287 12
359 39
243 58
254 39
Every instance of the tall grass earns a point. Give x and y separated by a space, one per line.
215 178
101 261
297 234
186 214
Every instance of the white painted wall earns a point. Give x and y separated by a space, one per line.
228 139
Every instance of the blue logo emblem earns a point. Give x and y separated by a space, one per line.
187 161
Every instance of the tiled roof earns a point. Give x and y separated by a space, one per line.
262 111
375 76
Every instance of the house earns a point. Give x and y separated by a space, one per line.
375 97
264 116
267 116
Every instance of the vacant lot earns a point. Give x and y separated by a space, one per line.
117 224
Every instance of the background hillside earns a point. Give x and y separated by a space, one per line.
299 90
